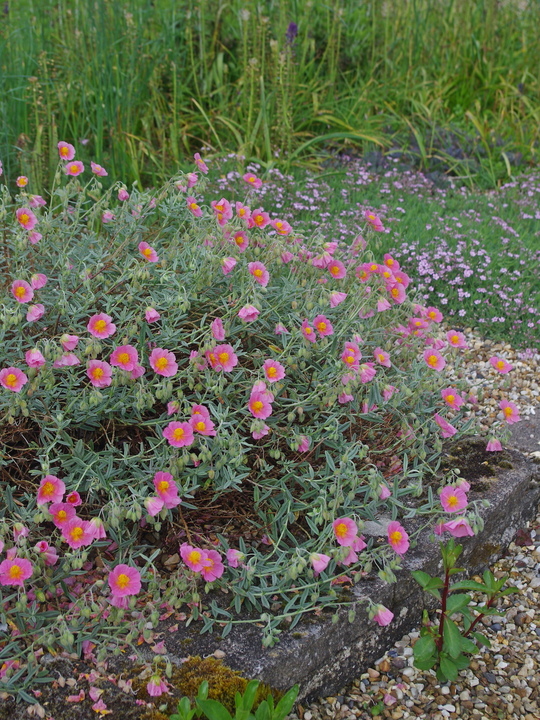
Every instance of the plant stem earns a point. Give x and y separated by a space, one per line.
443 609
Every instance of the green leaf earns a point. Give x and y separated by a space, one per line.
284 706
434 583
451 637
424 648
509 591
214 710
482 639
249 695
421 577
448 668
462 662
263 712
455 603
425 664
468 646
469 585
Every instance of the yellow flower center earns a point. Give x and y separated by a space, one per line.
258 219
432 360
47 489
61 515
272 371
341 530
334 269
394 292
194 556
500 364
178 434
100 325
123 358
200 426
454 339
11 380
371 217
308 330
147 252
374 267
349 359
395 536
77 533
223 357
452 500
450 399
161 363
257 405
162 486
193 206
279 224
20 291
74 168
321 327
122 581
381 357
242 212
64 151
258 272
24 218
15 572
239 239
507 411
97 373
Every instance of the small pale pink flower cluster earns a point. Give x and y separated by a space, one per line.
206 562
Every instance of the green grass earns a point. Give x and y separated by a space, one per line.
147 82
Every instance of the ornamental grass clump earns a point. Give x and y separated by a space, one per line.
201 381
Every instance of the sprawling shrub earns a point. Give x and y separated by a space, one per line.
201 381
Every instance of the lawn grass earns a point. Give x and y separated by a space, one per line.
473 254
452 83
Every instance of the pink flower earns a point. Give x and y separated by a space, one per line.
273 370
163 362
125 357
166 489
453 499
367 372
69 342
200 420
156 686
319 561
98 170
434 359
456 339
100 373
21 291
323 326
22 181
19 531
65 151
193 557
382 357
15 571
191 179
101 326
345 531
388 391
13 379
123 195
344 398
280 329
447 430
107 217
390 262
382 305
34 358
217 329
222 357
153 505
259 218
242 211
34 237
234 557
194 209
252 180
304 444
151 315
282 227
458 528
148 252
61 513
77 532
383 616
501 365
49 553
336 298
259 272
351 355
248 313
384 492
240 239
494 445
222 210
172 407
66 360
259 404
124 580
74 168
374 221
397 293
26 218
227 264
308 332
51 490
510 411
336 269
397 537
35 312
74 499
261 432
434 315
203 167
452 398
212 566
179 434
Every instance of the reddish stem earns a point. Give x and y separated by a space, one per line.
443 609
